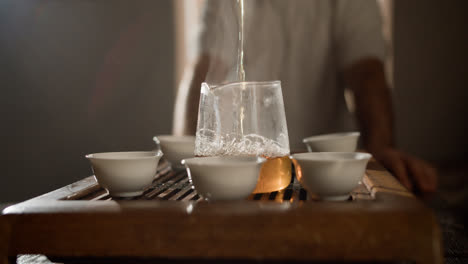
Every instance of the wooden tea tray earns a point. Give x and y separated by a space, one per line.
170 222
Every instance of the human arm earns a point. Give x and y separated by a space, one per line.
188 97
360 52
374 113
214 48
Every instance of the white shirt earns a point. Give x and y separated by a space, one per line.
304 44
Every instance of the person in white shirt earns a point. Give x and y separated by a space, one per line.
317 48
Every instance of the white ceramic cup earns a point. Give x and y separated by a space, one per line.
331 175
176 148
224 178
125 174
337 142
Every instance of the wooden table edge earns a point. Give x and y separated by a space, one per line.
12 219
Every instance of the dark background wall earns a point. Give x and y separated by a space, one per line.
78 77
431 78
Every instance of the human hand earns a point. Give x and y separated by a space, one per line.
414 173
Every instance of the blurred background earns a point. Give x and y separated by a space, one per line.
83 76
